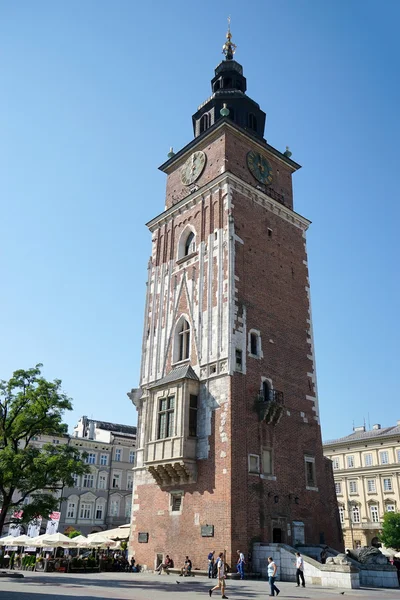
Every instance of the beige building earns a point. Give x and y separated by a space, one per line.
366 469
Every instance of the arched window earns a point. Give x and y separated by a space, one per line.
183 340
254 349
204 122
252 122
189 244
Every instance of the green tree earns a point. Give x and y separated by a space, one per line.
31 406
390 535
74 533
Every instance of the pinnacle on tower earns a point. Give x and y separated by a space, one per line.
229 48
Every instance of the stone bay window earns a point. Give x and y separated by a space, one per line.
171 427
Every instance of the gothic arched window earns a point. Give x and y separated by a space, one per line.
189 244
182 340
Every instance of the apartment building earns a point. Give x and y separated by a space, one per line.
101 499
366 468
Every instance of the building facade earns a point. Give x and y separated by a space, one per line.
229 443
366 468
101 499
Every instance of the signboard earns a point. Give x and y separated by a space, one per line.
207 531
143 538
52 523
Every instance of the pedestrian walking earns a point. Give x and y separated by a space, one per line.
210 558
272 570
323 556
300 570
221 574
240 564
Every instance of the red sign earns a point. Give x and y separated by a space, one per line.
55 516
18 514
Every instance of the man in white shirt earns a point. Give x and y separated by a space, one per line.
221 577
300 570
240 564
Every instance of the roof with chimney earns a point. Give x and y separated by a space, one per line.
360 434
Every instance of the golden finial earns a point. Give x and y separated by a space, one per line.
229 48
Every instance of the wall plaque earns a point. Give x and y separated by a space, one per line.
207 531
143 538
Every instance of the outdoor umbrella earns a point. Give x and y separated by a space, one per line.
98 540
7 541
21 540
80 541
37 542
57 539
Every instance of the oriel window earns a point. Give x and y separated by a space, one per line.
166 409
193 416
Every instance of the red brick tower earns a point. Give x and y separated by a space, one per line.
229 447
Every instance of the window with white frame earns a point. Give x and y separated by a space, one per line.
116 481
103 460
368 462
311 481
374 513
190 244
341 514
387 484
118 454
131 456
254 343
384 457
76 480
353 487
71 510
102 481
254 463
338 487
350 461
336 462
88 480
166 414
85 511
355 514
129 481
390 508
371 485
114 507
266 461
99 512
187 243
128 507
91 458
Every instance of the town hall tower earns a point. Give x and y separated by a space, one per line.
229 447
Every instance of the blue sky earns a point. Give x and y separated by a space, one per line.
94 93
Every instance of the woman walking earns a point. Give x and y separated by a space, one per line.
272 570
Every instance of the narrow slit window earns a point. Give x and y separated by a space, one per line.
184 341
193 416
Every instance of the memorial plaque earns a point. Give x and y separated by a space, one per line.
143 538
207 531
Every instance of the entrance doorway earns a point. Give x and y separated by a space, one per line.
277 535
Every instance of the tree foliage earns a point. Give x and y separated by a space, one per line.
390 535
31 407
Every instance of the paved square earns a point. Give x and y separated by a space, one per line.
138 586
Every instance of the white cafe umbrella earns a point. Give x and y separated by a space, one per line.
98 540
21 540
80 541
37 542
7 541
57 539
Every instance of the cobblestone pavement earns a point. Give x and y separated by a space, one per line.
138 586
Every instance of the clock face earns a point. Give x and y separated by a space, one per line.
193 168
259 167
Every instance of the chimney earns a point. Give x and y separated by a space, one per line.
91 430
398 423
377 426
361 428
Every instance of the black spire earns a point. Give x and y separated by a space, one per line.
229 98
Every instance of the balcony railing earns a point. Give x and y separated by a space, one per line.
271 396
